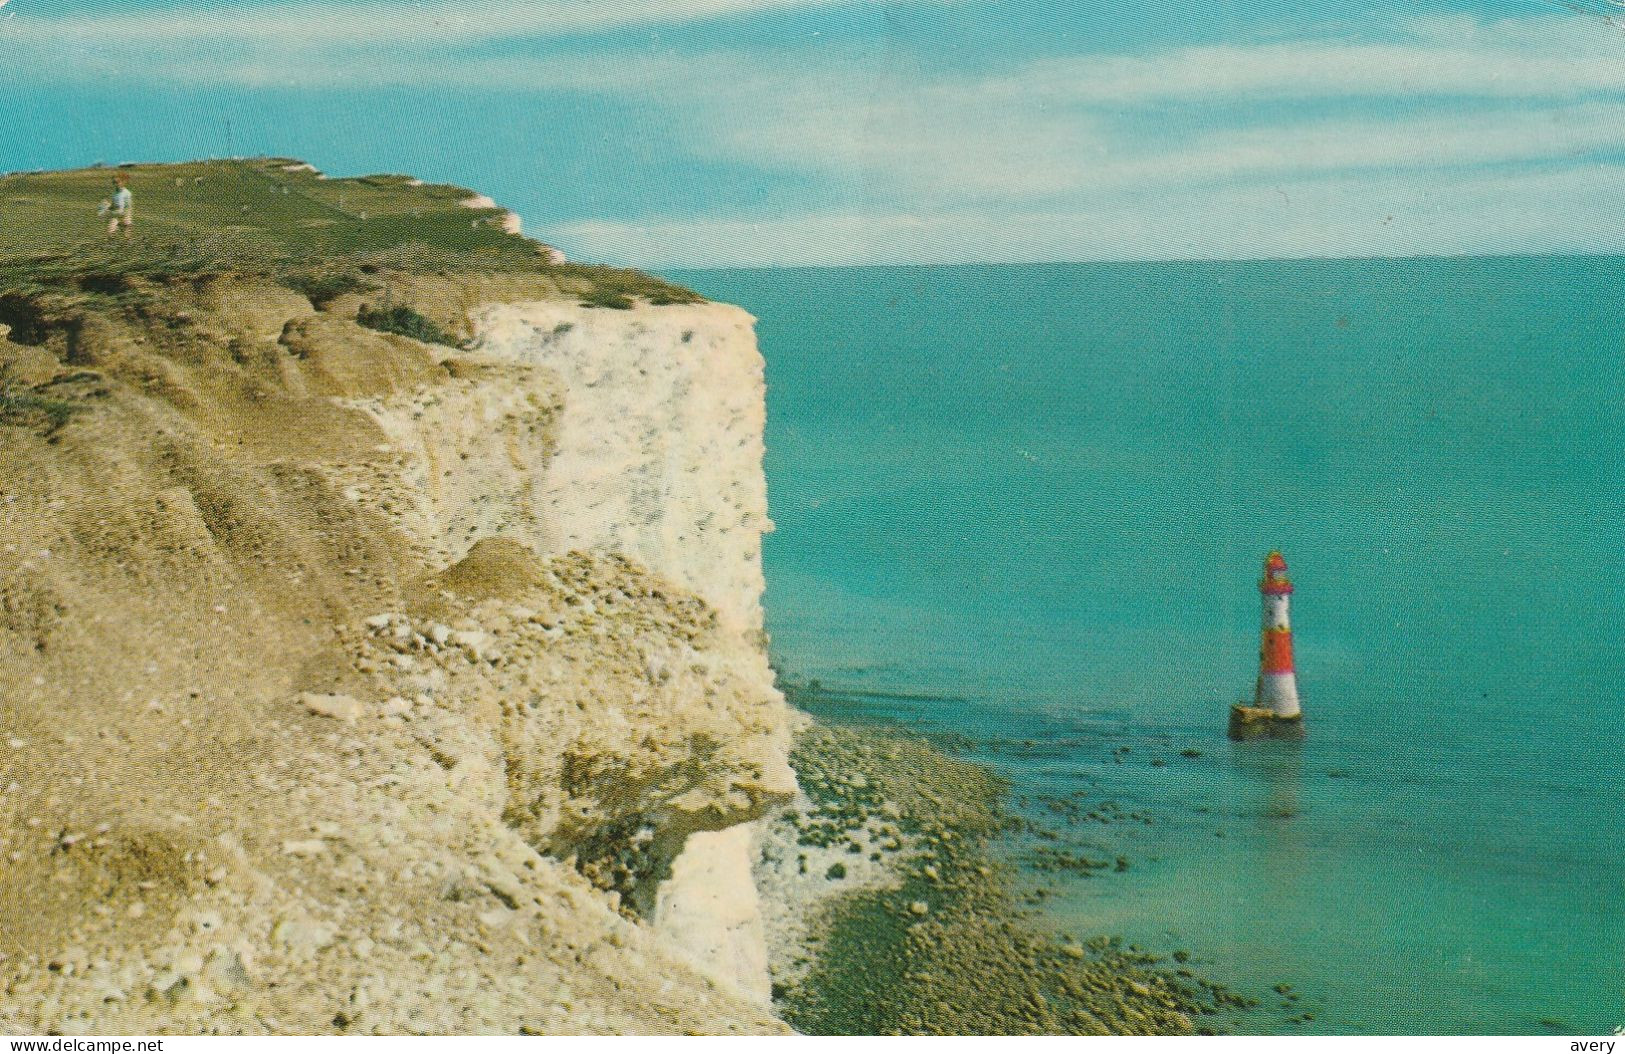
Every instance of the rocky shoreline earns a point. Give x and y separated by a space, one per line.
910 925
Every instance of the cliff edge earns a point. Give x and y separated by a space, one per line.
380 628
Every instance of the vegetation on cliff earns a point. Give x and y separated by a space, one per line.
279 219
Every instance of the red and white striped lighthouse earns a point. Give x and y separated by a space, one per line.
1277 681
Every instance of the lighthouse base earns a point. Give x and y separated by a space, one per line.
1256 722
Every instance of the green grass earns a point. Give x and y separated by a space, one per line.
323 287
266 216
408 323
248 203
23 407
607 298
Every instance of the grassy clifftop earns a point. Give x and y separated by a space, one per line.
278 218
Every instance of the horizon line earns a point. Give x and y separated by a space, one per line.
1408 257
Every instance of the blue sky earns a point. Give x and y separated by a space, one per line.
780 132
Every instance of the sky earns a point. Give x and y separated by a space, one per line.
717 133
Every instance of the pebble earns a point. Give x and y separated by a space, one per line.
339 707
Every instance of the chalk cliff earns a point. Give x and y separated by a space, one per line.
353 682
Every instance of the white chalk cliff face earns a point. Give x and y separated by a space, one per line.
578 429
660 446
638 433
659 443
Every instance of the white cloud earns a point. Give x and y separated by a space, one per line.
940 141
1411 144
1341 217
1537 58
326 27
987 148
1543 57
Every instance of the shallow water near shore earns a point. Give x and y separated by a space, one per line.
1027 505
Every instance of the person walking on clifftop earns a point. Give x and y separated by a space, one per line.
121 210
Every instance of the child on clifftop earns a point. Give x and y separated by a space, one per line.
121 209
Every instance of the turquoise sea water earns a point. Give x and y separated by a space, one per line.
1029 504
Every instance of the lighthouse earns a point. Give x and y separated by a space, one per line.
1275 711
1277 680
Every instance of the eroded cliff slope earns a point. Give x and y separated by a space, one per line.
355 682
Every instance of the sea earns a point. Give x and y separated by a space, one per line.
1027 507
